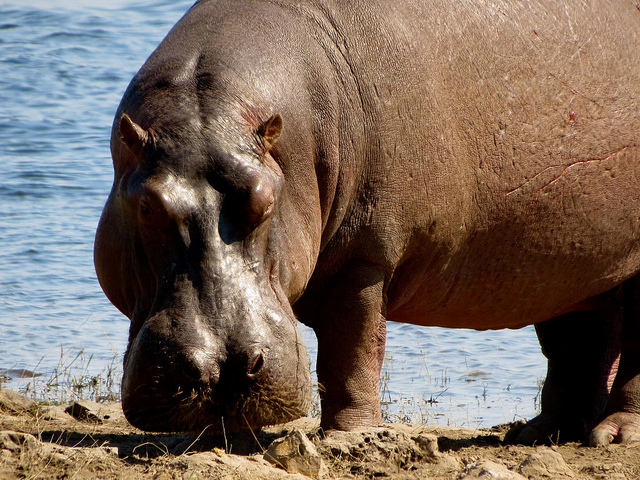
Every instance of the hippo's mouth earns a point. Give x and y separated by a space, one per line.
204 410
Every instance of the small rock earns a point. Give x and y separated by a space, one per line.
487 470
545 463
17 441
82 413
54 413
200 462
163 476
296 454
255 464
448 462
428 443
13 402
244 467
94 412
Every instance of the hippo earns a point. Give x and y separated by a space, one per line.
346 162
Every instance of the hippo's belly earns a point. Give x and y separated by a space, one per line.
549 246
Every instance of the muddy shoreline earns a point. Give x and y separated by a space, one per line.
94 441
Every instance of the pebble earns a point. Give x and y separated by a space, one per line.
11 401
93 412
17 441
488 470
296 454
545 463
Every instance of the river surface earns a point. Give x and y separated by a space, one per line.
64 66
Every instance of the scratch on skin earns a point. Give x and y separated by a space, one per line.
613 156
573 90
519 187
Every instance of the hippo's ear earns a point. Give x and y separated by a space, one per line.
269 131
133 135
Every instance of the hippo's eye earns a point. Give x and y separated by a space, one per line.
146 210
153 213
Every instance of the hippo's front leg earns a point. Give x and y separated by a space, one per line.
351 331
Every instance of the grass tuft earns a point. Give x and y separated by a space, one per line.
71 380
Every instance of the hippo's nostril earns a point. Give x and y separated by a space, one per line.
256 365
192 371
197 368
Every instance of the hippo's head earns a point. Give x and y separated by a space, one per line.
193 247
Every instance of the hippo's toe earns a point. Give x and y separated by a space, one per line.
621 427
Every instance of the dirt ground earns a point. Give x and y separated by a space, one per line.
94 441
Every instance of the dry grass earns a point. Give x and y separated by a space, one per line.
73 380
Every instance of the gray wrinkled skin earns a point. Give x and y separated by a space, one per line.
466 164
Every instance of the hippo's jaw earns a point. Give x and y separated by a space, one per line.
198 411
171 386
198 408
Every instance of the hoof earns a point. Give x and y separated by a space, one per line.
545 430
621 427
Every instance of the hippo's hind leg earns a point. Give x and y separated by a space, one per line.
582 350
621 420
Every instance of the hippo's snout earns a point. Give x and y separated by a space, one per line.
188 381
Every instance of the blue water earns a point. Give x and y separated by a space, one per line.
63 68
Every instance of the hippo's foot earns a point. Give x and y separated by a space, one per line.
621 427
546 429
